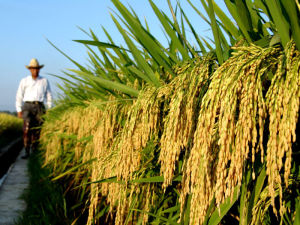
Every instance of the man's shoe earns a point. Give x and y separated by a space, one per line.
26 156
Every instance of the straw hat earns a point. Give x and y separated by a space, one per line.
34 64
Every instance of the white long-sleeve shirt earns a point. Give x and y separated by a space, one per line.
33 90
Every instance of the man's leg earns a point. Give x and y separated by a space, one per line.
35 135
36 130
27 117
26 138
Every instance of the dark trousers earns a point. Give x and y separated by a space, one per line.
32 113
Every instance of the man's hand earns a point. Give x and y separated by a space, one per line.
20 114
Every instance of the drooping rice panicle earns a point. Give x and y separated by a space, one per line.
227 126
283 106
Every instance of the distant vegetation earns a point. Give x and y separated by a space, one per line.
8 112
10 128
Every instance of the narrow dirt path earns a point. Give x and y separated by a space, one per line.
16 181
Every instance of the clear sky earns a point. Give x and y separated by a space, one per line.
26 24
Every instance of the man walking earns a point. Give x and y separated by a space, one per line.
32 92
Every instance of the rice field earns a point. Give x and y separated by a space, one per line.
10 128
170 136
9 122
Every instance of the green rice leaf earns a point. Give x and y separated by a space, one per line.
280 21
139 74
110 85
244 14
143 36
297 215
72 169
172 34
99 44
198 11
291 9
209 210
68 57
203 50
215 218
256 192
234 12
158 217
141 61
226 21
243 198
216 33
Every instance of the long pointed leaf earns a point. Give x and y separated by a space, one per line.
203 50
215 218
159 217
292 13
99 44
256 192
137 55
68 57
144 37
170 32
226 21
110 85
234 12
216 31
72 169
280 21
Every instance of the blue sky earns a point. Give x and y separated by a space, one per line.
25 26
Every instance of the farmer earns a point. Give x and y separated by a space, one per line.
32 92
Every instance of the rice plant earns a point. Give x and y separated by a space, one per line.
164 135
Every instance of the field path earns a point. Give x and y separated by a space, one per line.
16 181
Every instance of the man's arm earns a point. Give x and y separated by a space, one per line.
19 99
48 95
